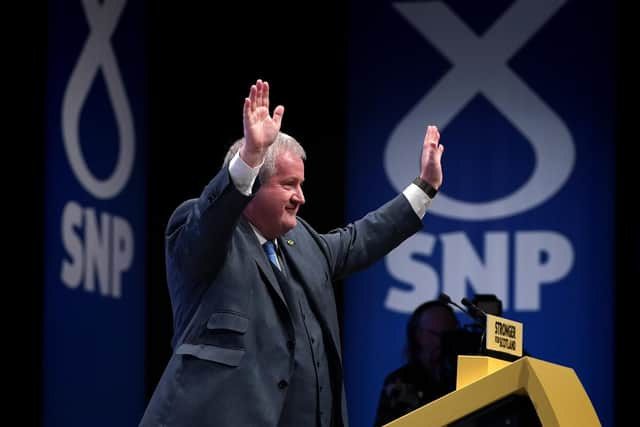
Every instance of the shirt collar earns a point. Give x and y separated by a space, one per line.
260 237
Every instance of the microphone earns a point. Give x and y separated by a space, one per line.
474 311
477 321
444 298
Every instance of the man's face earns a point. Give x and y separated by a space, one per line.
274 208
433 323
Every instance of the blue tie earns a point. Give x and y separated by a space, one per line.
270 249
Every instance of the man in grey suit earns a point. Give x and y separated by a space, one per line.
257 339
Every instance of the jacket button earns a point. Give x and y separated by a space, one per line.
282 384
291 344
210 198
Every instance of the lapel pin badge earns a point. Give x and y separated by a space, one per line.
291 242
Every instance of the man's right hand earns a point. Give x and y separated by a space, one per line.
430 167
260 129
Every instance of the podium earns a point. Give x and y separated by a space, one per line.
492 392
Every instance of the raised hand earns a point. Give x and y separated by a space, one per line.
430 167
260 128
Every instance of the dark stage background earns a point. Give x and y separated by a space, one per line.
202 58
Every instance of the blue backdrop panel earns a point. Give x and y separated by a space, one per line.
523 95
95 215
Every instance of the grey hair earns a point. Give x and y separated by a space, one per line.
283 144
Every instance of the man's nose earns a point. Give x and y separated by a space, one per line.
298 196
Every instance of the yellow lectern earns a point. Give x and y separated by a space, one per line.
555 392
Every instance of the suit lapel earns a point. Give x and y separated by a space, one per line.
307 272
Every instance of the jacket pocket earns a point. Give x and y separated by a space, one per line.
228 321
226 356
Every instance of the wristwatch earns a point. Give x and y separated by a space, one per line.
426 187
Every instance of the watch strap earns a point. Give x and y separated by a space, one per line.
426 187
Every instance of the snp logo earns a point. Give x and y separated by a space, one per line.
480 66
97 243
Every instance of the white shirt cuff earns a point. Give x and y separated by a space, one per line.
418 199
243 175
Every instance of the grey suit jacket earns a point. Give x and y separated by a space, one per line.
231 362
